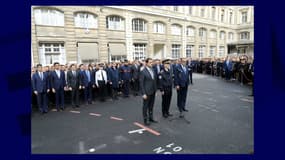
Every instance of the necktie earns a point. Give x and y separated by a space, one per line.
88 75
151 73
41 76
102 76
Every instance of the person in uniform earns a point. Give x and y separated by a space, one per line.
148 89
125 75
165 86
73 85
181 81
135 68
113 76
101 81
40 87
190 68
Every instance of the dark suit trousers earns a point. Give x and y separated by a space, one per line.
136 85
166 99
102 90
59 98
126 87
190 74
88 93
42 102
75 96
181 98
148 106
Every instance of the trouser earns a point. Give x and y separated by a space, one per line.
102 90
126 87
42 102
59 98
166 99
181 98
115 93
88 93
148 107
136 86
75 96
190 74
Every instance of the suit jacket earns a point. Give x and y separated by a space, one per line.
73 81
154 68
181 78
57 82
135 71
113 76
147 84
38 84
229 66
83 79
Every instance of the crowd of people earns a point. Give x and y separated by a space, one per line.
82 84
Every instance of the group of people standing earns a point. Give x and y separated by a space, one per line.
145 77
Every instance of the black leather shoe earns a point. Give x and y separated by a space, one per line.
169 115
165 115
153 121
185 110
146 123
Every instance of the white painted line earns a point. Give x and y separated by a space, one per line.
95 114
140 131
246 100
75 112
54 110
116 118
81 147
92 150
208 108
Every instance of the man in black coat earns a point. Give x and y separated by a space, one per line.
135 68
73 84
148 89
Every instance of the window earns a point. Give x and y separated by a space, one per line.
231 36
244 17
115 23
158 27
244 35
202 12
139 25
51 52
49 17
118 58
201 51
189 50
222 35
176 29
202 33
176 50
85 20
213 12
190 31
190 10
139 52
222 15
213 34
231 17
221 51
212 51
175 8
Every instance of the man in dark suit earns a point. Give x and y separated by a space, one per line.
113 77
73 84
190 68
58 83
157 67
148 89
86 82
135 68
228 66
41 87
181 81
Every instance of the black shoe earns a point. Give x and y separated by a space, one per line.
153 121
164 115
181 115
146 123
77 106
169 115
185 110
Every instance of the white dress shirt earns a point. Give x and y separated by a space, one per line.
98 76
